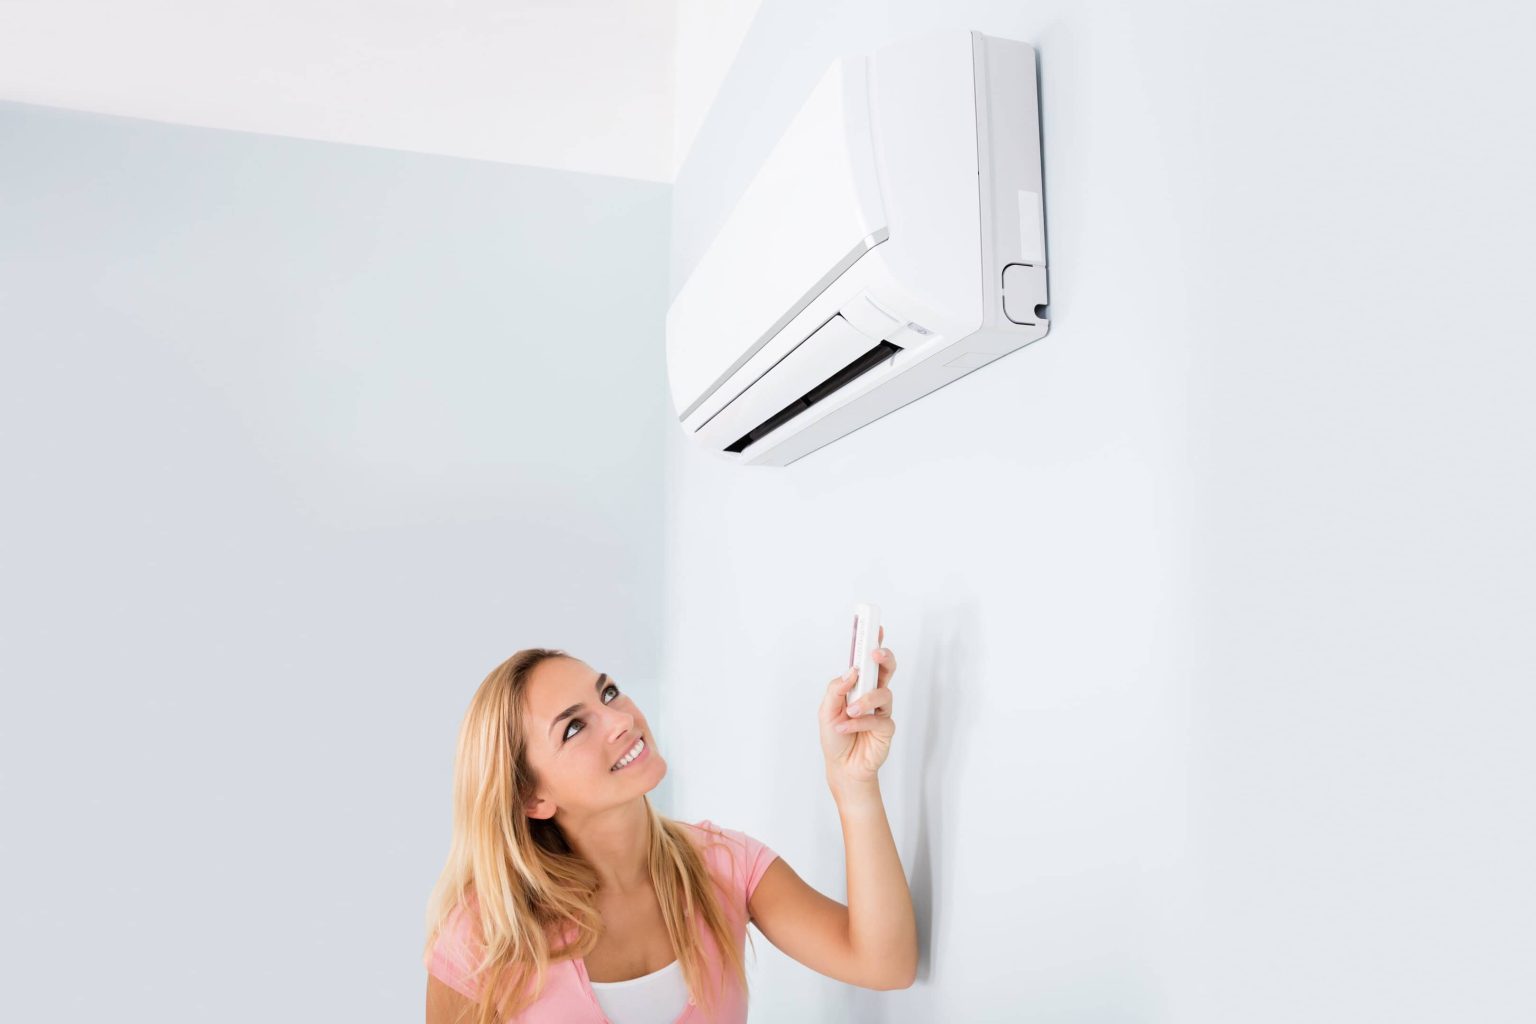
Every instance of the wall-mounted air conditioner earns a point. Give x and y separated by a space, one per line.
893 241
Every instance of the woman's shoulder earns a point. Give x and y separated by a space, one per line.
739 856
713 831
715 837
457 947
457 953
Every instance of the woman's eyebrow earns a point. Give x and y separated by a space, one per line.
568 712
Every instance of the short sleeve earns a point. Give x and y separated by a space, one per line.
758 857
749 858
454 954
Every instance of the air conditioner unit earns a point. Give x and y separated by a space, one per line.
892 241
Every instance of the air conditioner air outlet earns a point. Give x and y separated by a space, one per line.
839 380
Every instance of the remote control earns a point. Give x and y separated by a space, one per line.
866 633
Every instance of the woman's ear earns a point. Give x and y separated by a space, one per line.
538 807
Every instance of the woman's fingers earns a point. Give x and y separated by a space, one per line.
879 699
868 723
835 704
832 703
887 662
842 683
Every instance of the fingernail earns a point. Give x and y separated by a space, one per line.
853 711
851 673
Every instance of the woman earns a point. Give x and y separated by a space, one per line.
568 898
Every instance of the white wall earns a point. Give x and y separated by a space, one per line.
299 441
1212 607
708 33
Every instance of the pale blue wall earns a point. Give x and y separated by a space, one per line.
298 440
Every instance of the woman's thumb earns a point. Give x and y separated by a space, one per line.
837 688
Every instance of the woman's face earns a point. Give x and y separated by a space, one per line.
580 723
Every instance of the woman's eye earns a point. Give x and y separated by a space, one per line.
577 721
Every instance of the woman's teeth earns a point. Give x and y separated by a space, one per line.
634 752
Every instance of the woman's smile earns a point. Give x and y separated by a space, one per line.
639 752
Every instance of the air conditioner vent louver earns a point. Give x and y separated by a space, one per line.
842 378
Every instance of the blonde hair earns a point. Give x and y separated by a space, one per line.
519 876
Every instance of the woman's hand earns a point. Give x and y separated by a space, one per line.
855 738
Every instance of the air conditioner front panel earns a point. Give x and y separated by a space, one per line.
923 112
812 210
829 299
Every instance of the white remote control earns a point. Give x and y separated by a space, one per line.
866 633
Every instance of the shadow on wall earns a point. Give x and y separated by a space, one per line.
930 707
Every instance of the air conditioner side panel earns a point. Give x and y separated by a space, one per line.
1012 194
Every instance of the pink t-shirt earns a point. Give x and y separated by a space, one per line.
736 859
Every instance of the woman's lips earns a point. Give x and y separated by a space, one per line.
645 752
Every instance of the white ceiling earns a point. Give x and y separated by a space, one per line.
583 85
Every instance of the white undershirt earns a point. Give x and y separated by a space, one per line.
655 998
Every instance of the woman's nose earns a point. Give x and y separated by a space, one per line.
618 722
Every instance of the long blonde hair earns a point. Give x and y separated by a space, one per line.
522 880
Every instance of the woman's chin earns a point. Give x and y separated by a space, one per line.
652 771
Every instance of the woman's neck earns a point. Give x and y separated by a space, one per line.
616 843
